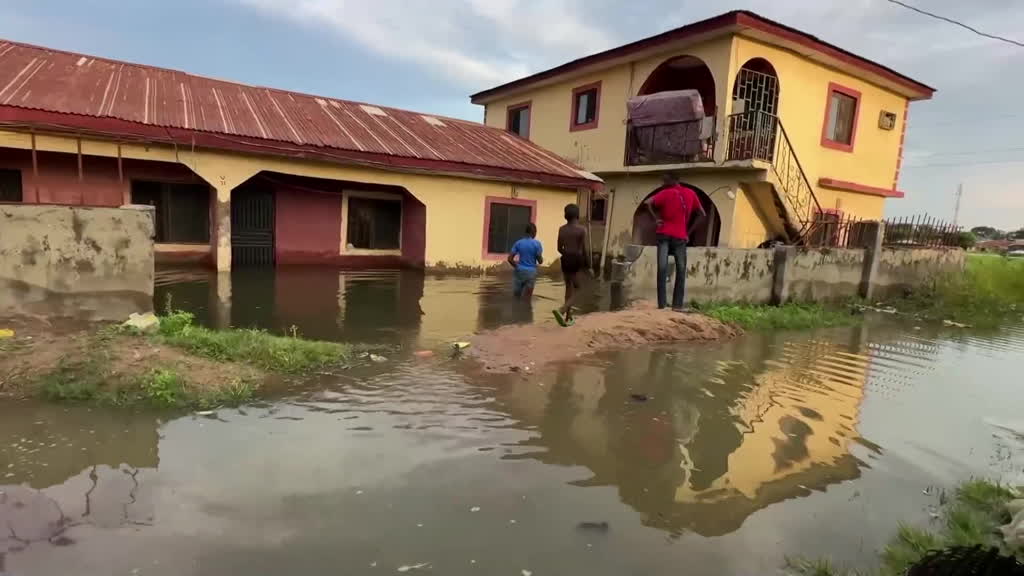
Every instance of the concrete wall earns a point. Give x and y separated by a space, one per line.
902 269
823 275
712 274
76 261
793 274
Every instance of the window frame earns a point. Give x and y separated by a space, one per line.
21 186
604 216
485 233
513 108
371 195
575 103
165 194
826 140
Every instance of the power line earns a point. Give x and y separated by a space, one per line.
938 155
955 164
958 23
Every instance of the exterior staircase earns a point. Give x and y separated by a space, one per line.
761 136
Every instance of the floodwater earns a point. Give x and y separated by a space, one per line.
689 459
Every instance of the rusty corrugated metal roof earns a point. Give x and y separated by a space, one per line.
84 87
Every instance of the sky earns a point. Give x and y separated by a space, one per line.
429 55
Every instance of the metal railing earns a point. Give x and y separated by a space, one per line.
912 231
761 136
671 143
832 230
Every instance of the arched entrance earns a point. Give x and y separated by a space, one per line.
683 73
705 234
752 126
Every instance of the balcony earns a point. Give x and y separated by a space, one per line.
686 142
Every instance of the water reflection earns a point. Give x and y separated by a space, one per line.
699 439
405 307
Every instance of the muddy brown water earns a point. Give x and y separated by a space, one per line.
696 459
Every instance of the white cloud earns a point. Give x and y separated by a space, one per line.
477 43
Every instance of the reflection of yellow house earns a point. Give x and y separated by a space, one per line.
702 454
794 130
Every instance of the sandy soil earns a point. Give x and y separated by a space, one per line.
40 344
504 349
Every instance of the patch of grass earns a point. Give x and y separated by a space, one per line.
800 566
236 393
790 316
909 546
74 381
990 291
163 387
288 354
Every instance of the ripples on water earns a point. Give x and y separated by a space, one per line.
718 459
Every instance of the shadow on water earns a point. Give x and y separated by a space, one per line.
721 458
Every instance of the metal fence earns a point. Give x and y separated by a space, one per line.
921 231
831 230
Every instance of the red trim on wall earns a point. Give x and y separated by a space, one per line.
573 126
859 188
903 137
125 131
487 220
825 140
711 25
528 106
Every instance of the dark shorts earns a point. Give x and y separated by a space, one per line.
572 264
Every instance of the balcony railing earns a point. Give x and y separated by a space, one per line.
671 143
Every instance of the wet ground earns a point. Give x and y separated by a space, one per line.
696 459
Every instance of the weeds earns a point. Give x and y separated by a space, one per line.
800 566
288 354
73 381
990 291
790 316
163 387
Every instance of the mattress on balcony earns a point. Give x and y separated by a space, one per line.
665 108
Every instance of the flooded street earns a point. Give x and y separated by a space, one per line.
697 459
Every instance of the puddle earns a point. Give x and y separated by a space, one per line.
721 458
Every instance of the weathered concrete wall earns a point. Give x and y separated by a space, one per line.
78 261
712 274
809 275
823 275
903 269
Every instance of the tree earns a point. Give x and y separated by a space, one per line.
966 240
988 233
1018 235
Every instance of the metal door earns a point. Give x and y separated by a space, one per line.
252 228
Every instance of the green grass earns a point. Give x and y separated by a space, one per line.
989 292
971 518
790 316
287 354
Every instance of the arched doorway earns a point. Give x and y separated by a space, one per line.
752 126
705 234
683 73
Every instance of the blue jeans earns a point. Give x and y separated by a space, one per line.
525 278
677 247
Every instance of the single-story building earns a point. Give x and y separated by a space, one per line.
256 176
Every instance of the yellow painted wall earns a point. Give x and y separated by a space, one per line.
602 149
803 96
455 206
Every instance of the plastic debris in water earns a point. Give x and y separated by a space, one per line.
423 353
474 509
408 568
378 358
527 573
460 345
6 333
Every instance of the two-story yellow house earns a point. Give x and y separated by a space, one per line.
777 131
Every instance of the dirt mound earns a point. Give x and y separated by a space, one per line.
505 349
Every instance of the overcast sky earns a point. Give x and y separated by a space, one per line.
429 55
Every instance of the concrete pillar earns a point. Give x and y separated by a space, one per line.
221 313
222 229
872 235
784 256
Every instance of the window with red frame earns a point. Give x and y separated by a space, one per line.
585 101
518 121
842 117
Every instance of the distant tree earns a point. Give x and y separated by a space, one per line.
966 240
988 233
1018 235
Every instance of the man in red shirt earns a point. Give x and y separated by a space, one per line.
677 210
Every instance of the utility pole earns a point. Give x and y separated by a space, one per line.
956 209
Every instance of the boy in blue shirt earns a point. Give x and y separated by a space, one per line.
529 251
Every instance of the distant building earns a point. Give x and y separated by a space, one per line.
248 175
777 130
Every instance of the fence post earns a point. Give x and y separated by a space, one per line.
784 256
874 232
